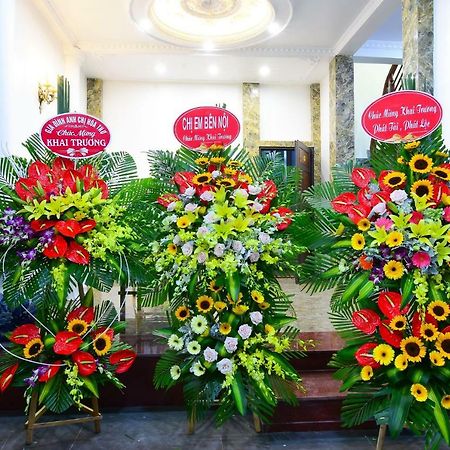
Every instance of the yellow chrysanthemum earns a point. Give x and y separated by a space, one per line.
419 392
445 401
202 178
358 241
77 326
364 224
225 328
401 362
423 189
217 160
413 348
240 309
33 348
213 286
172 249
204 304
383 354
366 373
436 358
269 329
220 306
421 163
257 296
229 171
394 239
226 182
202 161
102 344
439 310
393 270
183 222
429 332
411 145
264 305
398 323
182 313
442 172
394 179
443 344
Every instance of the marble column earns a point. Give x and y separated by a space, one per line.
314 95
250 114
418 32
95 97
342 110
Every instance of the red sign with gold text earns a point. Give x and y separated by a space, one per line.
206 125
402 116
75 135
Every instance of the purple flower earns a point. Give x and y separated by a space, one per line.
47 237
400 253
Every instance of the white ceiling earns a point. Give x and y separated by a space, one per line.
111 46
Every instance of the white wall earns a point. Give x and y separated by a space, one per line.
442 62
285 113
325 128
369 82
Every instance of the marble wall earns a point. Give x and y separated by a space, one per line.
95 97
314 90
251 117
342 110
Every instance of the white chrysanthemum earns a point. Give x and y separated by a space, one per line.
175 372
197 369
199 324
194 348
175 342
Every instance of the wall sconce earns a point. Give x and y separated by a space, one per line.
46 93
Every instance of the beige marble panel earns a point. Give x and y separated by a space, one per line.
251 117
95 97
314 90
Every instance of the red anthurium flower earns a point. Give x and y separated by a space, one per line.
60 165
390 336
50 372
69 228
66 343
358 212
364 197
343 202
123 359
446 214
417 322
364 355
69 180
85 313
207 187
380 197
87 225
77 254
25 188
362 176
24 334
268 191
88 172
7 377
416 217
100 184
41 225
57 249
439 188
284 213
86 363
389 304
166 199
366 320
39 171
183 180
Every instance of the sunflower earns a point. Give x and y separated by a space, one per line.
401 160
421 163
202 178
428 332
183 222
437 359
419 392
398 323
77 326
182 313
393 270
364 224
411 145
442 172
220 306
244 178
229 171
172 249
240 309
383 354
102 344
439 310
358 241
33 348
445 401
413 348
234 164
257 296
226 182
366 373
202 161
225 328
269 329
213 286
423 188
204 304
443 344
401 362
217 160
215 147
394 179
394 239
264 305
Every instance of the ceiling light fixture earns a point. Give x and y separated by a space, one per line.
224 24
264 71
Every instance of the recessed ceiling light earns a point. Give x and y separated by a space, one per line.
213 69
274 28
264 71
145 25
208 46
160 69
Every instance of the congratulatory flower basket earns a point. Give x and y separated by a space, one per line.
225 224
379 236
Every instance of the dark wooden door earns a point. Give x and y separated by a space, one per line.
305 161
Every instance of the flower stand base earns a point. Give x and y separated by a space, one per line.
256 423
381 436
34 415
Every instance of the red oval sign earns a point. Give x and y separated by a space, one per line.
402 116
74 135
206 125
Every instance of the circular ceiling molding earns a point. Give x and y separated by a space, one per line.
211 24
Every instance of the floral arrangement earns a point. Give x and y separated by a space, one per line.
222 236
382 241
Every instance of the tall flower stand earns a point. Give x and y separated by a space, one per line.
381 436
34 415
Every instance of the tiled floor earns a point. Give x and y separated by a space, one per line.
166 430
